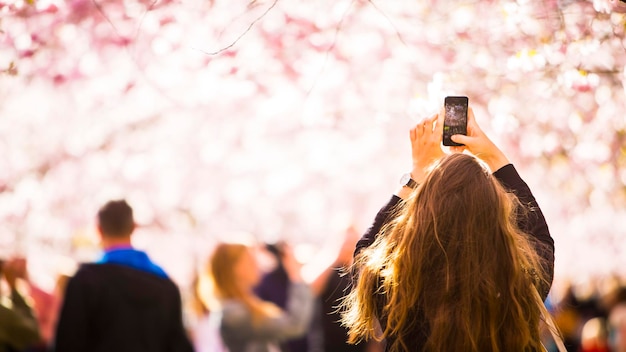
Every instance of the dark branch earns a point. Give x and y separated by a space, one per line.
242 34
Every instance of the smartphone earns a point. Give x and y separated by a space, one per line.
455 121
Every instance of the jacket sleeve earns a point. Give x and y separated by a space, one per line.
531 221
71 332
385 214
290 323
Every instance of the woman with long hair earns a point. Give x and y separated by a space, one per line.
243 321
460 261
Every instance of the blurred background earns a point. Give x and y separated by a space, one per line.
287 120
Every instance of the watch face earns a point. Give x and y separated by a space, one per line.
407 181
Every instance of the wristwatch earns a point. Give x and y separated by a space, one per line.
407 181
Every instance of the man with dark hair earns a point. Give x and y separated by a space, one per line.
116 219
123 302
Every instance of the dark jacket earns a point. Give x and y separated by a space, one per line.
112 307
273 288
335 334
533 223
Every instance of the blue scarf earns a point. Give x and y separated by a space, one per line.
133 258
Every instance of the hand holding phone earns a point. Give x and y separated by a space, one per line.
455 120
479 144
426 145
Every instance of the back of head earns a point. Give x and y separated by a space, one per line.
455 257
222 269
461 223
226 285
115 219
469 257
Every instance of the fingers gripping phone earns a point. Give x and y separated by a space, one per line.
455 121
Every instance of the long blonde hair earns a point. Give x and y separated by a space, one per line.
452 266
224 281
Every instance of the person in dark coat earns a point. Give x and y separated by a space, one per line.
337 285
274 287
460 258
124 302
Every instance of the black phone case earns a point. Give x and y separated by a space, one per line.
449 130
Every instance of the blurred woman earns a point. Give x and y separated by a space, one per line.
244 322
460 259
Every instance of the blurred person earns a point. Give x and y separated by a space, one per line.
19 330
48 306
460 259
337 285
577 309
617 323
205 334
45 305
325 332
274 287
617 320
196 308
243 321
594 336
568 315
123 302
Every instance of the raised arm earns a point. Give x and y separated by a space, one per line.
425 140
531 221
384 215
290 323
285 324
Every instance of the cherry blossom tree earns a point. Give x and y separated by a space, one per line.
288 119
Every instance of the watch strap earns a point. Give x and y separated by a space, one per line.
407 181
411 183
